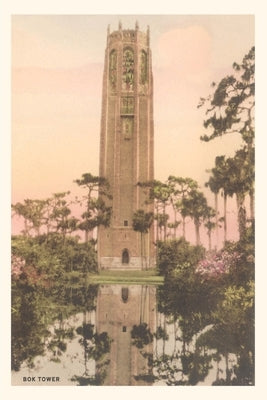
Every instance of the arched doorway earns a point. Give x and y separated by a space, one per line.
125 257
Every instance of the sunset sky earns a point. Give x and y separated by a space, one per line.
57 67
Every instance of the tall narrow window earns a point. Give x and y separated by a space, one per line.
125 257
113 69
143 68
124 294
128 69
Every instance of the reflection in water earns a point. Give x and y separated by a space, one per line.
124 335
119 309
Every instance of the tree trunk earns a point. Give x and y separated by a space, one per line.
142 252
252 206
157 230
197 225
144 249
175 335
227 371
225 216
175 227
209 236
217 370
164 340
141 305
157 313
26 231
48 224
85 345
183 223
241 215
165 225
216 219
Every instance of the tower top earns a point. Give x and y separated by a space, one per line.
128 35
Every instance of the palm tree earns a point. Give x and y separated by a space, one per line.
221 177
159 194
96 212
241 176
174 197
214 186
195 206
180 188
209 224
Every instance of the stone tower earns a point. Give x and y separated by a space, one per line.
126 147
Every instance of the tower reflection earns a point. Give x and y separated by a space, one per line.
118 310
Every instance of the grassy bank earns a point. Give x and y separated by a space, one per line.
126 277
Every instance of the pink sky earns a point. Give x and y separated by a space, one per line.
57 66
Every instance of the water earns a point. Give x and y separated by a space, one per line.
119 335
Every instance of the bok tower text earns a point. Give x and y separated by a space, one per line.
126 147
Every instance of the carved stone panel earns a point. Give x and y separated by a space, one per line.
128 70
127 105
127 127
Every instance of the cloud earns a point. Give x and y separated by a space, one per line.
186 50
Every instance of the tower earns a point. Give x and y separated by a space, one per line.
126 147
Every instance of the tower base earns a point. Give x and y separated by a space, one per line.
135 264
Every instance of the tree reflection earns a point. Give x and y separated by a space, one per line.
35 310
233 333
141 335
213 325
84 380
95 347
28 327
57 343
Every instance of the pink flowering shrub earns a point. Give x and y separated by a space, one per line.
217 264
17 266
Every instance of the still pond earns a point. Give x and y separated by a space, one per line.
121 335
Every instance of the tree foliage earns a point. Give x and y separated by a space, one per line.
175 255
230 108
97 212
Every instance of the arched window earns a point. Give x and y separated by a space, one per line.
113 69
125 256
128 69
143 68
124 294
